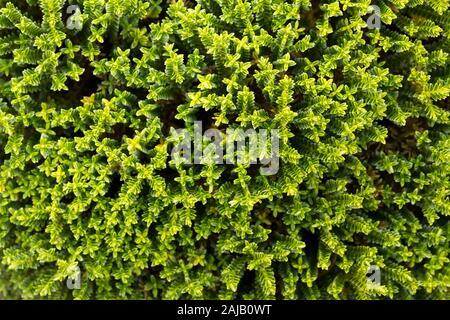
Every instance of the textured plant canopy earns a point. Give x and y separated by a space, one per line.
87 125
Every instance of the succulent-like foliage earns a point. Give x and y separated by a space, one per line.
86 129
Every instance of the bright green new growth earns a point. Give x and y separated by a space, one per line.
87 181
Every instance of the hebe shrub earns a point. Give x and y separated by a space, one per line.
87 119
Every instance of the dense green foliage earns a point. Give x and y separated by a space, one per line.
86 177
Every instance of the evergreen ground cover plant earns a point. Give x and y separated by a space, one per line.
91 92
